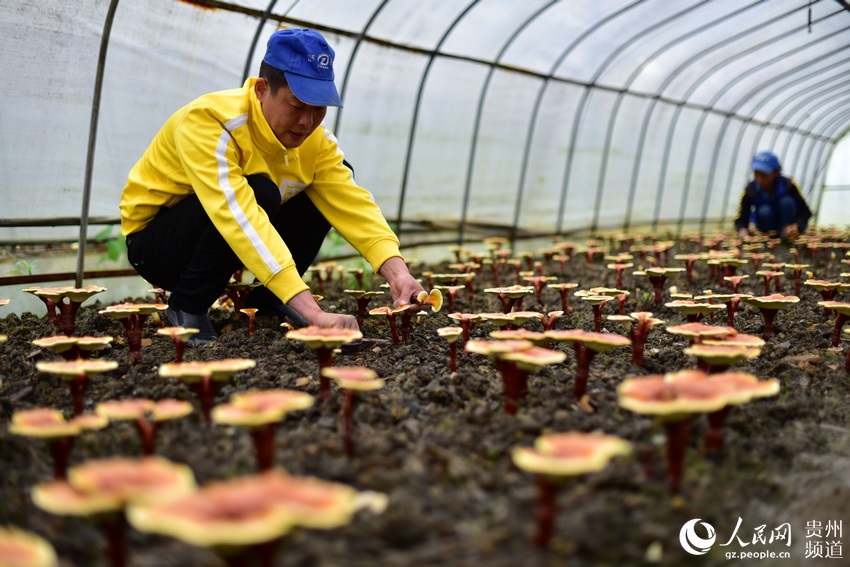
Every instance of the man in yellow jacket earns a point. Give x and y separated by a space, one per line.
250 177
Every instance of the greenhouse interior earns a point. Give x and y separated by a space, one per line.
610 329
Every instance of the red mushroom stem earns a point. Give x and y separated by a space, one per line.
453 356
60 450
362 306
325 356
348 415
584 356
78 390
147 433
677 431
115 530
67 315
731 308
769 315
639 334
840 320
658 287
264 438
515 381
565 300
133 326
713 440
545 511
206 390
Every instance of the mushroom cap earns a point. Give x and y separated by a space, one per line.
773 301
145 480
260 407
520 317
434 298
75 294
821 285
49 423
567 454
464 316
198 370
512 291
722 354
839 306
688 307
563 285
534 357
123 310
536 337
108 484
354 377
135 408
253 509
70 369
739 387
499 319
24 549
182 334
57 343
324 337
598 342
740 339
361 293
700 330
59 497
659 395
451 334
494 348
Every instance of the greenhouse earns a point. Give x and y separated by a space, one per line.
443 282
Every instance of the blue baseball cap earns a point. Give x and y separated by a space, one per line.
307 61
765 162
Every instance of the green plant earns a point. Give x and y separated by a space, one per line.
23 267
116 248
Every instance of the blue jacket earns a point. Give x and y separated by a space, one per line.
754 197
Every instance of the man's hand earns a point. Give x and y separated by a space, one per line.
743 233
336 321
304 304
403 286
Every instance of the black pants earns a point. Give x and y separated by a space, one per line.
181 251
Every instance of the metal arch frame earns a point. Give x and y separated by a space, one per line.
95 114
606 148
609 134
824 115
354 52
817 97
542 90
650 110
710 106
839 122
476 129
263 19
580 108
721 135
756 90
416 108
778 88
823 87
825 112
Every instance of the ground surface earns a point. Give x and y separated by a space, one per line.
438 443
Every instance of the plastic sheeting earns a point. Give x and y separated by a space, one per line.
542 116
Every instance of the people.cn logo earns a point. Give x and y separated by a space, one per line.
692 542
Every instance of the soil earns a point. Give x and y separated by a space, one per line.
437 443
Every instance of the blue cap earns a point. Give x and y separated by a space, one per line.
307 61
765 162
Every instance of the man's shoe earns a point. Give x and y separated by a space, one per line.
200 321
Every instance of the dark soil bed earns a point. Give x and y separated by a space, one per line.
438 443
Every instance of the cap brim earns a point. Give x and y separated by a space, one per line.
314 92
762 167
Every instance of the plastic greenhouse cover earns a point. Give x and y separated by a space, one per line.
549 114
